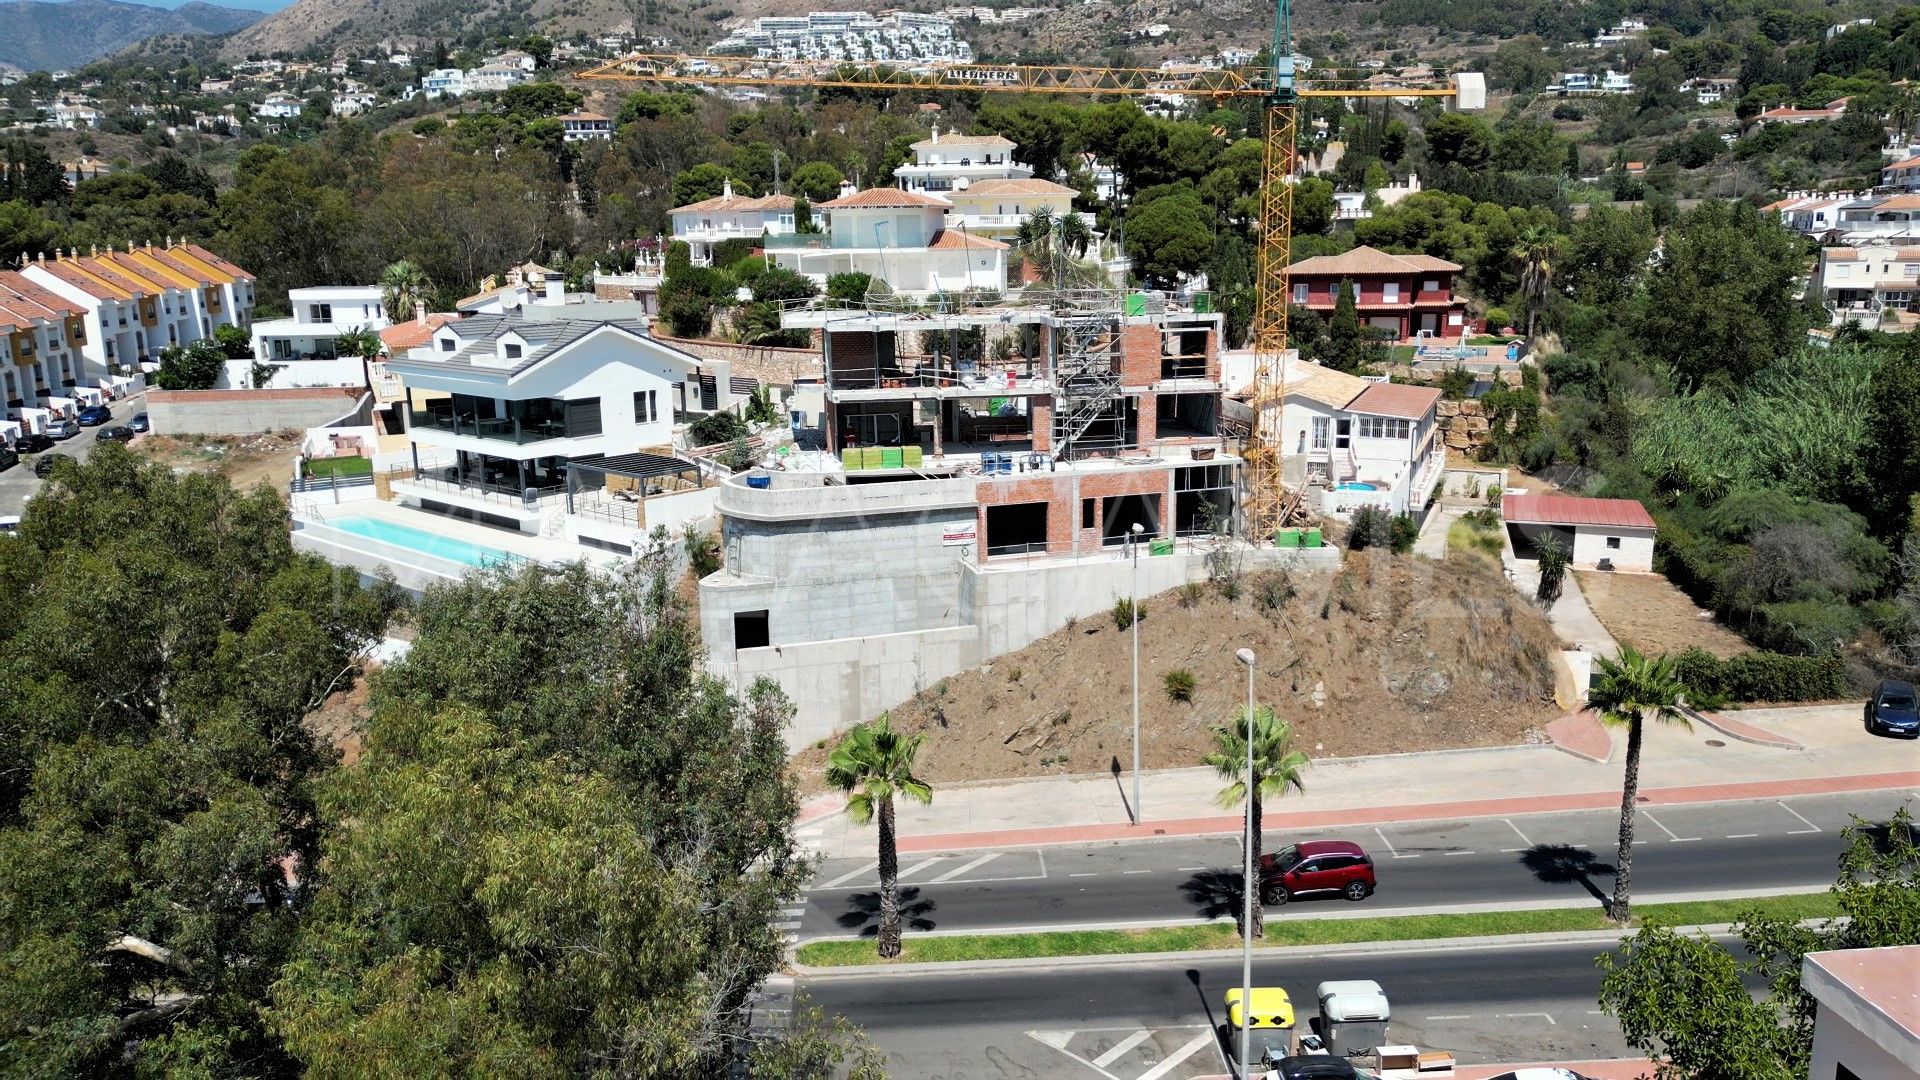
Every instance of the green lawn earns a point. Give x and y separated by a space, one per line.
1466 537
340 466
1306 932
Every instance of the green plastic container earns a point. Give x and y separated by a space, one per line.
1287 538
1160 547
870 458
1311 538
850 458
913 457
1136 303
891 458
1203 303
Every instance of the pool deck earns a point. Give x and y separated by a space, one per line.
416 574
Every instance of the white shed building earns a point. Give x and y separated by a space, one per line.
1606 534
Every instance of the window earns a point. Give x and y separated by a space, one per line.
750 630
1613 542
1300 294
1390 292
1430 285
583 418
320 313
1382 427
1321 427
511 350
1086 513
646 406
447 344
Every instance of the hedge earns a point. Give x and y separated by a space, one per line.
1761 676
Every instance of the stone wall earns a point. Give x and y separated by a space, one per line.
249 412
763 362
1463 424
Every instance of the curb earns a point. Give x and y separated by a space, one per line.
1746 733
1363 948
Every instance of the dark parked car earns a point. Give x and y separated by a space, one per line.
116 433
1892 710
62 429
43 465
1316 868
95 415
140 422
9 457
1315 1067
33 444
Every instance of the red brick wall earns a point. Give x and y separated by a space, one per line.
1057 490
1139 355
853 354
1042 410
1149 416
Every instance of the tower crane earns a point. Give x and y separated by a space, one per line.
1273 86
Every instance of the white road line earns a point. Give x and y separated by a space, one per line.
1191 869
1457 1016
794 925
1742 835
1671 835
1810 826
844 878
917 867
1518 833
1083 875
1120 1048
1515 1016
1059 1040
1390 848
1136 871
1174 1059
964 867
1456 853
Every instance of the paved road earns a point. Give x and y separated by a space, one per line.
1541 859
18 484
1156 1020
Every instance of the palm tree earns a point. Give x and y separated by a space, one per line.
1535 250
1276 770
871 764
1076 236
366 345
403 287
1630 690
1035 239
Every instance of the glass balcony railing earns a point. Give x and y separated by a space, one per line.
504 429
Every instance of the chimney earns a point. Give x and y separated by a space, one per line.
420 312
936 133
726 188
847 188
94 252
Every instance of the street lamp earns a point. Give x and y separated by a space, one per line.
1133 549
1245 656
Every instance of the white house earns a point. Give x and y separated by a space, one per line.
306 346
1616 82
1868 1018
1366 444
502 404
514 59
944 163
728 216
1604 534
279 107
1901 176
899 237
444 82
579 126
1857 284
996 208
70 116
494 78
352 103
1887 219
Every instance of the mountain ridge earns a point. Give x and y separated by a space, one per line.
54 34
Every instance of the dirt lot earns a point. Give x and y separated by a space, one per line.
341 720
245 460
1649 613
1390 654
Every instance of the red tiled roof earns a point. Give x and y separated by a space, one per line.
17 288
1369 260
1910 163
1574 510
998 186
955 240
585 116
215 261
883 198
736 202
950 139
412 334
1395 399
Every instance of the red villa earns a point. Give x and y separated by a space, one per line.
1407 294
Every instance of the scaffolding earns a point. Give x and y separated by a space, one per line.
1090 413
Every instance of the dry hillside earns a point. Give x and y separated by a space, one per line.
1389 654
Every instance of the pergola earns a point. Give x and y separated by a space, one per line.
592 470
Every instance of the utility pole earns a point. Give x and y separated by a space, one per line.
1133 550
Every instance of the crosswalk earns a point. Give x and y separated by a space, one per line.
1181 1052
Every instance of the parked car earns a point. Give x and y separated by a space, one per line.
62 429
33 444
1316 868
140 422
1549 1073
9 523
95 415
116 433
1892 710
9 457
43 465
1314 1067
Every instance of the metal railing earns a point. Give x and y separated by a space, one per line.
475 488
502 429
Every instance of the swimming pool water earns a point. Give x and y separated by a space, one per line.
1355 485
406 536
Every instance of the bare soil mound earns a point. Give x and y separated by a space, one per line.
1389 654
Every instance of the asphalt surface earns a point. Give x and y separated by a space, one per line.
1488 1004
18 484
1523 860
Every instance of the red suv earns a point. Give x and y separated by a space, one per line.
1316 868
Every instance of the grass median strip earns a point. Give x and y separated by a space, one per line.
1305 932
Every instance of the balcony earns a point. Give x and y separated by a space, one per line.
503 429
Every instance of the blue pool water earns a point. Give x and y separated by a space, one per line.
445 547
1355 485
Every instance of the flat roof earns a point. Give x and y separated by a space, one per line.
1574 510
1876 991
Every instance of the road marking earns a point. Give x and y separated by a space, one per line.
1083 875
1391 850
794 925
1518 833
1456 853
1120 1048
1671 835
844 878
1173 1060
1457 1016
963 868
1810 826
917 867
1515 1016
1136 871
1742 835
1191 869
1059 1040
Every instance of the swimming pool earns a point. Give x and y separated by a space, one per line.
406 536
1355 485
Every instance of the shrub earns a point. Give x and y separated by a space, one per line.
1761 676
1402 532
1371 527
703 552
1498 319
1457 382
1124 612
1271 591
1179 684
1553 570
1191 594
1805 627
715 428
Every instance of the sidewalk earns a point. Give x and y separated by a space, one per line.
1833 755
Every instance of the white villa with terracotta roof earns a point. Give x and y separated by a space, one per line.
952 162
900 237
728 216
580 126
1362 443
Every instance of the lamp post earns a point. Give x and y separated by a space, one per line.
1246 657
1133 550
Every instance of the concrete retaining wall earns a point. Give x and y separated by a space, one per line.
765 363
248 412
836 684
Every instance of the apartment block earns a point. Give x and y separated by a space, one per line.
138 301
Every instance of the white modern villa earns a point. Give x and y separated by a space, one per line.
950 162
1363 443
900 237
728 216
305 346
